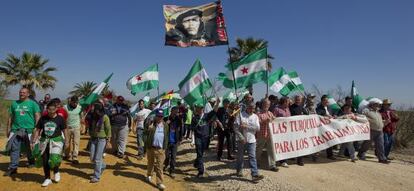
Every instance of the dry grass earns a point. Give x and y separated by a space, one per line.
4 106
404 137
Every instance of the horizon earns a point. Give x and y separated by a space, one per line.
329 43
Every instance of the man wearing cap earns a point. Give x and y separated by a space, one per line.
247 126
120 122
156 143
391 119
376 125
201 124
189 29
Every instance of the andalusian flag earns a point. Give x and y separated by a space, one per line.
356 98
95 94
333 105
296 82
145 81
280 82
247 71
195 84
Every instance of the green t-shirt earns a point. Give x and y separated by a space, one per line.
189 117
23 114
73 120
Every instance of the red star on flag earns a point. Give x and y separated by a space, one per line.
139 78
245 70
197 80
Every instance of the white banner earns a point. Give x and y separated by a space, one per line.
306 134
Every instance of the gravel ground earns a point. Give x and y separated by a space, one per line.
321 175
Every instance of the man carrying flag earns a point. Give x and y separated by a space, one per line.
193 86
95 94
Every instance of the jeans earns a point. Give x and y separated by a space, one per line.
140 141
251 152
221 136
388 142
201 145
349 147
378 138
119 138
170 156
97 150
15 153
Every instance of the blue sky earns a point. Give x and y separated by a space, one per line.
329 42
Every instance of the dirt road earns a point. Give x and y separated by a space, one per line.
129 174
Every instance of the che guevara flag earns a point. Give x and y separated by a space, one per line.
195 26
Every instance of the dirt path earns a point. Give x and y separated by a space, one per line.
129 174
121 174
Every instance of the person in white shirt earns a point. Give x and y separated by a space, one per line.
140 117
247 126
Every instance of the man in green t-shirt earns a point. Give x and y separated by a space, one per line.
23 116
72 133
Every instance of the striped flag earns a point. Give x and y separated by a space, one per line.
333 105
145 81
249 70
280 82
95 94
195 83
296 82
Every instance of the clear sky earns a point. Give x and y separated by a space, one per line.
328 42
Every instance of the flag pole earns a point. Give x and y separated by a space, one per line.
267 76
229 52
158 87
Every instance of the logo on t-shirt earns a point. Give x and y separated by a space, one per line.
50 128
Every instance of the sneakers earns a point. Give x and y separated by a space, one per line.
57 177
331 157
200 175
239 174
384 161
75 162
149 179
94 180
46 183
285 164
301 163
257 178
10 172
274 169
161 186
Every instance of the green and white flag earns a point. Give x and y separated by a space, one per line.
356 98
280 82
333 105
249 70
296 82
145 81
195 83
231 96
95 94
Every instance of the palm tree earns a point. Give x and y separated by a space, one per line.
28 70
83 89
247 46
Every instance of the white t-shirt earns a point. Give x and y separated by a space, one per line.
253 126
141 116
